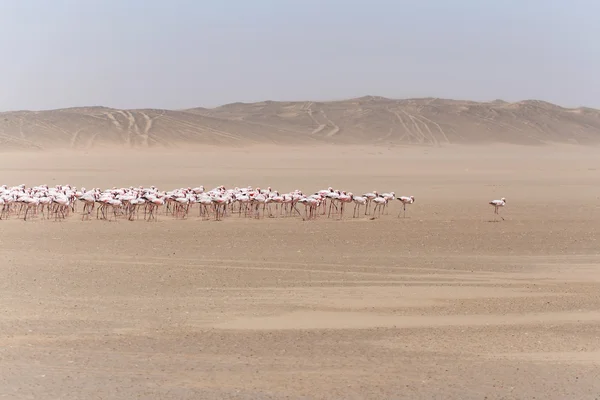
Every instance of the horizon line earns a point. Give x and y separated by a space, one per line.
375 97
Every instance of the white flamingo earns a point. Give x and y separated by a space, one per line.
379 202
205 201
358 201
497 204
30 202
260 199
370 197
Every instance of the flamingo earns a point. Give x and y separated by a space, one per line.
497 204
61 207
116 206
278 200
182 206
153 204
343 199
259 199
30 202
5 203
89 200
244 199
380 202
312 203
204 200
358 201
218 203
134 205
370 197
405 200
45 202
333 197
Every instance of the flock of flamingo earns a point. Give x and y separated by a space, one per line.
134 203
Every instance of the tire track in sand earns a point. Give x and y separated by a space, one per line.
335 129
421 136
114 121
21 122
203 129
55 127
408 131
13 139
119 126
148 126
437 126
74 138
132 127
90 144
320 126
433 138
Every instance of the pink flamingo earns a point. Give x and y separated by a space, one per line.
405 200
343 199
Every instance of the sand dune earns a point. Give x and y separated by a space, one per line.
365 120
443 304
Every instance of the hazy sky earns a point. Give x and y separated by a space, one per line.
185 53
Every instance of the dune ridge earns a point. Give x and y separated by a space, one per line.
365 120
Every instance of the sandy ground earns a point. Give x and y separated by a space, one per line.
443 304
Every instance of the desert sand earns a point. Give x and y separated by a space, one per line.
443 304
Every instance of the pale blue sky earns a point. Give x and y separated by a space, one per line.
185 53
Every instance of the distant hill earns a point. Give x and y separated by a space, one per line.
365 120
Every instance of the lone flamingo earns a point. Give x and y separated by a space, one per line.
497 204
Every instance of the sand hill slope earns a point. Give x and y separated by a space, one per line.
372 120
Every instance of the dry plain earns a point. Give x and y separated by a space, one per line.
443 304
